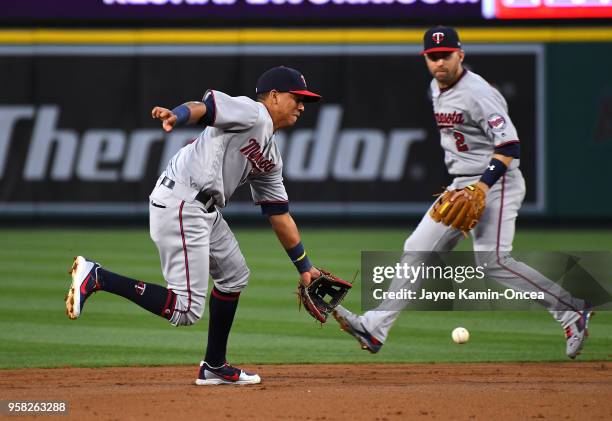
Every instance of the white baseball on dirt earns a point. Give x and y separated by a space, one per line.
460 335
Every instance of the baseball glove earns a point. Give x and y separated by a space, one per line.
464 212
323 294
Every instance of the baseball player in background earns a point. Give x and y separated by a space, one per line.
236 147
481 150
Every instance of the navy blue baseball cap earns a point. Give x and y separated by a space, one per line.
285 79
440 39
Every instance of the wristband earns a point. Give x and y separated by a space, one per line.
493 172
299 258
182 113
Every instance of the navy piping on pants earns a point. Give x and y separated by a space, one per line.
186 260
499 224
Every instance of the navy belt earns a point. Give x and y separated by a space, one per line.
464 175
202 197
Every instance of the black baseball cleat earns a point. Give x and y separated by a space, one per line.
84 283
351 325
577 332
226 374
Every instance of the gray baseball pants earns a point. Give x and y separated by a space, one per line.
492 241
192 244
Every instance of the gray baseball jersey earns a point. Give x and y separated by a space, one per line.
193 239
239 147
473 120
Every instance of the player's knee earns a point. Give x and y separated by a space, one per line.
235 281
411 257
414 244
409 244
494 261
242 280
187 313
186 318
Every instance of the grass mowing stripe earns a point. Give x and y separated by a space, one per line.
268 328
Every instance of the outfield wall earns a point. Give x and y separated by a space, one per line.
76 136
579 129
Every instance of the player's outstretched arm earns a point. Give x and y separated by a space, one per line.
319 291
287 232
187 113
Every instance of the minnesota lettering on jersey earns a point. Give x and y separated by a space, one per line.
449 119
254 154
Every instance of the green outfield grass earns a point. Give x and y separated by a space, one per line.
35 332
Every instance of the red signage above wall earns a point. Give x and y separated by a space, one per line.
546 9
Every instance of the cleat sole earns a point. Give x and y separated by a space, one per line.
70 304
70 295
345 328
213 382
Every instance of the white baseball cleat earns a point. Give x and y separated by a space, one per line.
576 333
226 374
84 283
350 324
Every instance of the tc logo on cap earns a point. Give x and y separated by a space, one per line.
438 37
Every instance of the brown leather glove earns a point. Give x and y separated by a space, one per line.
464 212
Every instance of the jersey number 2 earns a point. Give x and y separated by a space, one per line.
460 142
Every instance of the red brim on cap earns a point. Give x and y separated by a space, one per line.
439 49
308 96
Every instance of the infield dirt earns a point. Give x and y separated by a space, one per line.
558 391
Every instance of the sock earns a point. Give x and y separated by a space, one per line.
222 308
152 297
